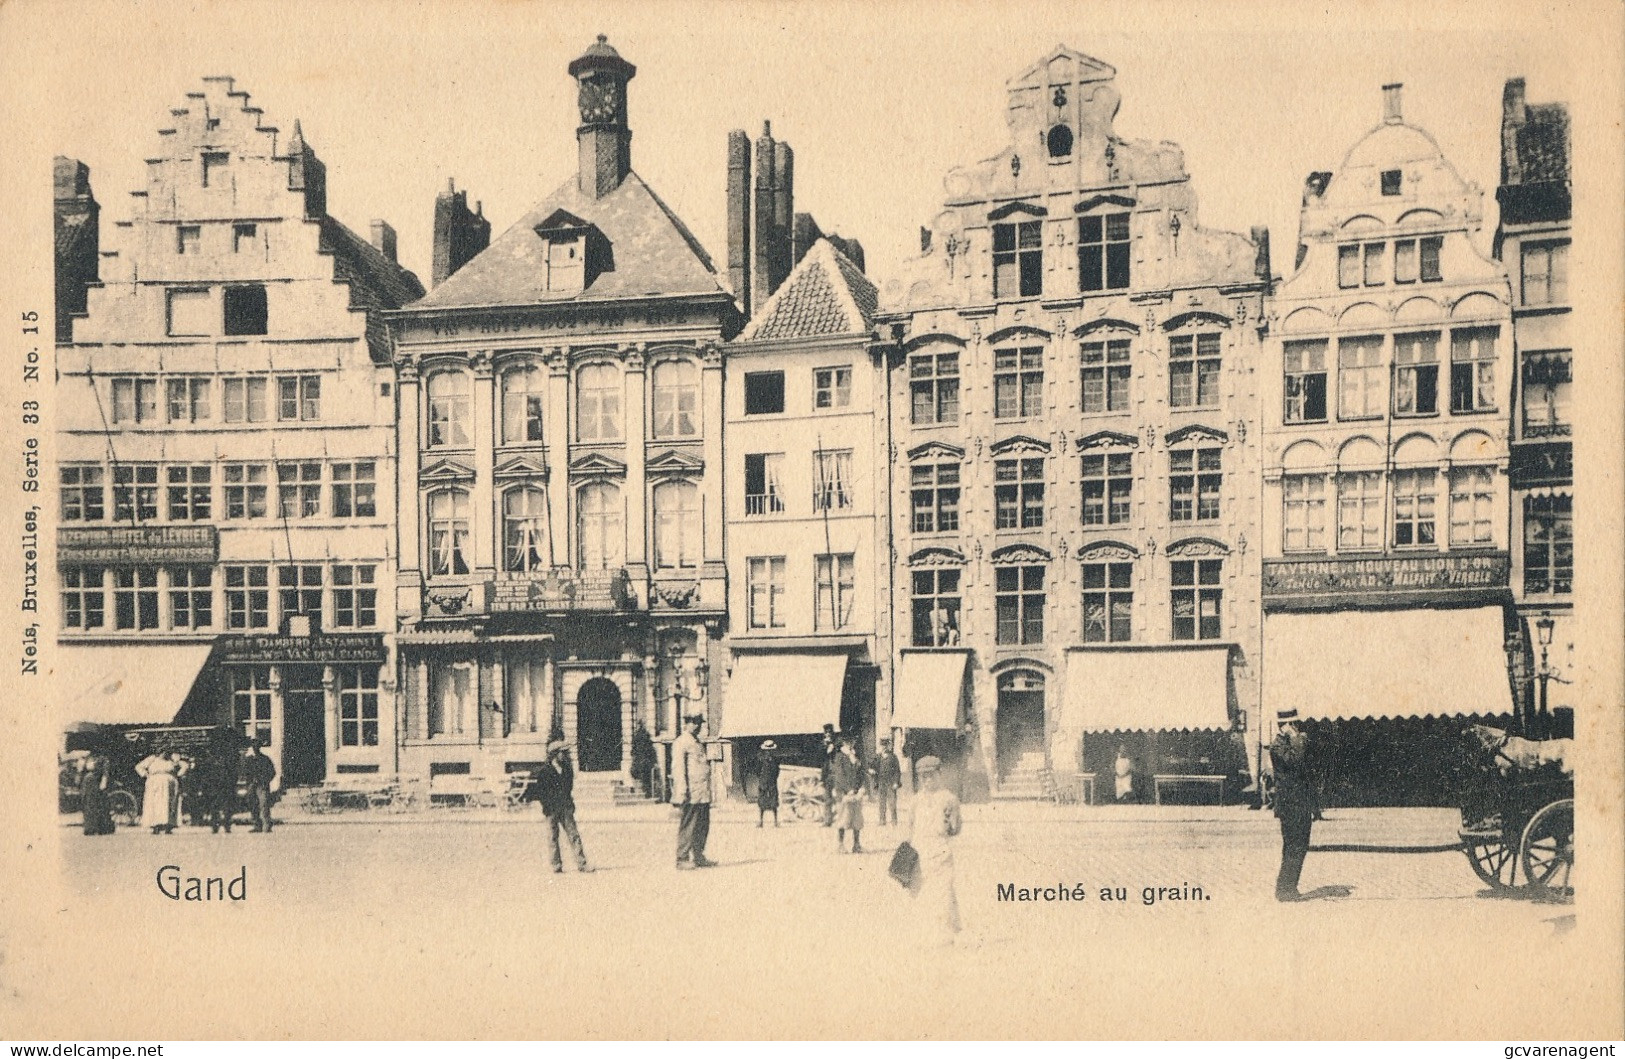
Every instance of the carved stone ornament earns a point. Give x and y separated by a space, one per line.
1020 444
635 358
447 604
678 596
1196 546
480 362
1107 551
1196 433
1021 553
1108 439
932 450
557 361
937 557
406 370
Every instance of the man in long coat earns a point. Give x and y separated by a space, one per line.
1295 802
888 777
691 793
257 772
555 789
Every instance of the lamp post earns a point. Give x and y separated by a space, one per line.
1543 632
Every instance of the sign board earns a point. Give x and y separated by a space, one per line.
1390 580
137 545
297 650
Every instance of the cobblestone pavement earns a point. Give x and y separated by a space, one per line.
464 917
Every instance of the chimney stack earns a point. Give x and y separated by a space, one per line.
762 236
1514 116
784 214
1391 114
458 233
383 238
739 216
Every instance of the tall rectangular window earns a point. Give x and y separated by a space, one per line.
1359 511
834 590
191 597
135 492
190 313
1430 250
1373 255
1303 513
522 395
832 388
1416 374
598 403
1305 381
1108 488
1348 266
934 495
251 701
1103 252
678 536
1018 260
934 600
1547 376
299 489
1018 383
676 400
832 480
135 598
1193 371
1405 267
355 596
1472 507
1105 376
214 169
191 492
244 238
764 393
188 398
934 388
245 310
1108 602
83 597
244 399
135 400
450 410
1195 483
82 492
1359 377
1018 493
764 489
764 585
299 398
247 490
1548 545
1472 369
1197 598
1415 497
1545 273
355 489
299 589
358 705
1019 604
1417 259
448 532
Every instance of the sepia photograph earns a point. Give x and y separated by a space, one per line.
720 521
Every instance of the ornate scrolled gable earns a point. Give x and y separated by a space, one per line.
597 465
1191 547
1196 434
1105 323
1019 445
526 465
1027 209
1020 553
674 463
1107 551
1085 205
937 557
445 471
1108 439
936 450
1195 317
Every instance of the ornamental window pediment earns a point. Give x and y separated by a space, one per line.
674 463
597 465
1196 434
526 466
937 557
1197 546
1196 318
443 471
1019 445
1108 551
1018 332
936 450
1108 439
1096 201
1105 325
1021 209
1021 553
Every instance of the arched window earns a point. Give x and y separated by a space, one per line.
449 409
676 399
599 527
524 529
677 525
598 403
448 532
522 405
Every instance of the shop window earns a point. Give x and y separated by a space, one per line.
764 393
358 705
251 701
191 492
1108 602
245 310
764 587
1193 371
83 496
1108 488
676 399
1105 376
1416 374
1197 598
1019 604
451 700
834 591
1018 260
1305 381
934 388
934 600
1018 493
83 597
1303 513
1548 545
191 597
1103 252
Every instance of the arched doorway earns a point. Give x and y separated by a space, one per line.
598 726
1019 726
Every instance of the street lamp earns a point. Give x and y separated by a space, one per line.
1543 632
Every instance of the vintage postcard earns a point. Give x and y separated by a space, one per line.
717 520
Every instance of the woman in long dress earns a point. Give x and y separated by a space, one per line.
161 800
934 820
93 784
767 784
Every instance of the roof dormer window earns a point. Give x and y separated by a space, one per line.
574 253
214 168
565 264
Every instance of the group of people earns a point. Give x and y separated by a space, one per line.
216 775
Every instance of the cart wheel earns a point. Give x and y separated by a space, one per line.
1548 850
122 807
807 799
1493 859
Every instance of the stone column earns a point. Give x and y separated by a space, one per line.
714 481
505 725
277 716
419 727
482 502
561 535
637 533
408 521
330 704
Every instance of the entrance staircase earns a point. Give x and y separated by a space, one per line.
606 790
1024 782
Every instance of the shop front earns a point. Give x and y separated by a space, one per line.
789 696
931 708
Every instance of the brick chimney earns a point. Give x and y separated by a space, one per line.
459 233
383 238
739 216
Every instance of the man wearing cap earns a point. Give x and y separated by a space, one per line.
691 793
888 776
1295 801
826 774
555 787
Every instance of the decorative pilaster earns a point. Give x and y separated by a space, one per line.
561 534
483 501
637 533
330 708
711 414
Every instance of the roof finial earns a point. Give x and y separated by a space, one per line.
603 38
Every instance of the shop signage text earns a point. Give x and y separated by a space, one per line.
284 650
1406 574
129 545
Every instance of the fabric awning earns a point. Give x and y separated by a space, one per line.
1397 663
782 693
1159 690
128 683
930 685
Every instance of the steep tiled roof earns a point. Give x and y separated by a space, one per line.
653 253
825 295
1543 144
387 285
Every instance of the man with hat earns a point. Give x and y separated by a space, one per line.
888 774
691 793
767 783
1295 801
826 774
555 787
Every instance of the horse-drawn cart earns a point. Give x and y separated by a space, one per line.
1517 820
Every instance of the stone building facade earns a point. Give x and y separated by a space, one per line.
1386 403
1075 457
1532 240
227 454
561 515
